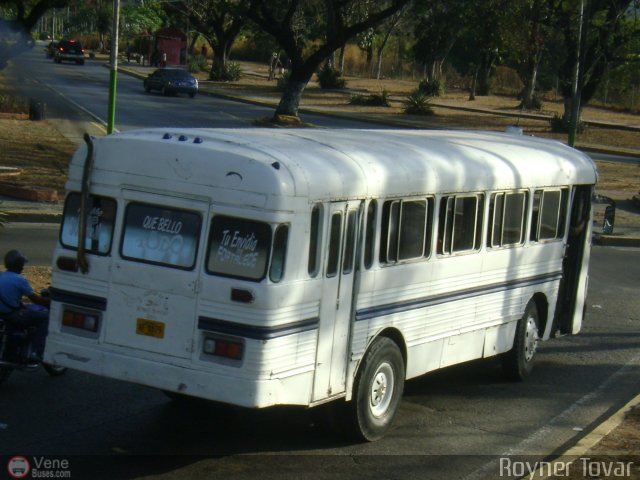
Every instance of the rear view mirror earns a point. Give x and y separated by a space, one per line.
609 219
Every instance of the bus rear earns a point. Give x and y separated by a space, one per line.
180 251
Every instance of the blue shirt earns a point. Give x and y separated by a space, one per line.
12 287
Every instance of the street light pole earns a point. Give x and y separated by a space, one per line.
111 118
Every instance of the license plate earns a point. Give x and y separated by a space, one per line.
150 328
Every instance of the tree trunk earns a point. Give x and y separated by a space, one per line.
290 101
474 81
342 49
529 91
219 64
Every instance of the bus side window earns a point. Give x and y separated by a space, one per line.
276 271
314 240
349 247
334 244
549 210
460 226
370 230
507 214
406 230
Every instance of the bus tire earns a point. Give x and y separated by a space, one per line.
4 373
54 370
517 363
378 390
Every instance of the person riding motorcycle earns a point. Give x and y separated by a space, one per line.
13 286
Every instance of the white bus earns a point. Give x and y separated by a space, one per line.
262 267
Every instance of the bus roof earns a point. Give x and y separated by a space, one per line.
332 163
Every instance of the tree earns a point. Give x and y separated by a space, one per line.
608 27
437 27
219 22
308 46
17 19
535 19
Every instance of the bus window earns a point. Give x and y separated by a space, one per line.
334 244
238 248
160 235
349 250
314 240
101 213
460 224
406 231
549 210
370 230
507 219
276 271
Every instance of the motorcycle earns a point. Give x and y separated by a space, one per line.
15 350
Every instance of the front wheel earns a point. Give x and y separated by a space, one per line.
54 370
377 391
4 373
517 363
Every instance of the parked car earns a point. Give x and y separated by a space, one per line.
51 48
69 50
170 81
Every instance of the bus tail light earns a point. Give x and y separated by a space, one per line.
220 347
81 320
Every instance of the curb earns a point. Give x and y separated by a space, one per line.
615 240
591 439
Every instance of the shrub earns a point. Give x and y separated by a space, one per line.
231 72
417 103
431 88
330 78
561 124
13 104
196 63
536 102
374 100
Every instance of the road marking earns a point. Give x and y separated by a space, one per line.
526 447
103 124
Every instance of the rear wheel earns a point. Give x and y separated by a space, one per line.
4 373
377 391
54 370
517 363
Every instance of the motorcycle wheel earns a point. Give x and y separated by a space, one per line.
4 373
54 370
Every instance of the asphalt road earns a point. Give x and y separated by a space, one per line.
452 424
86 87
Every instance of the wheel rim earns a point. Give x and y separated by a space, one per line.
531 339
381 390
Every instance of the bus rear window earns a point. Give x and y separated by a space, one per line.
101 212
239 248
160 235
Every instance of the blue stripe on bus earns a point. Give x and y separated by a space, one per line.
388 309
80 299
257 333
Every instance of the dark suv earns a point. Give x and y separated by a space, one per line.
69 50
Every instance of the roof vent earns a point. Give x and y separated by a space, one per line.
197 140
166 136
513 130
276 165
182 138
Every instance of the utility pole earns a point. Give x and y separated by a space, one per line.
111 118
577 88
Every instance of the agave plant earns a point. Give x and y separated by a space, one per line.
417 103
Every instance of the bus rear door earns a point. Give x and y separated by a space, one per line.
152 298
337 300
